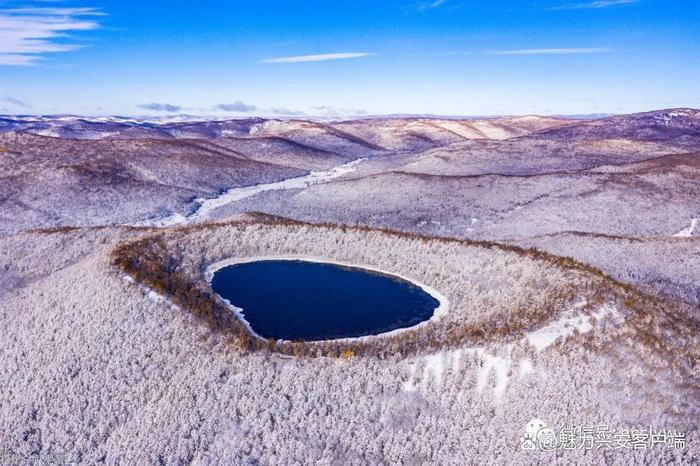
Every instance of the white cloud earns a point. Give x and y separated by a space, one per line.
329 111
27 34
315 58
554 51
431 5
597 4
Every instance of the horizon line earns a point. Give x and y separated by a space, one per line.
591 115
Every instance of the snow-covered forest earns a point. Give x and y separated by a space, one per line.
565 252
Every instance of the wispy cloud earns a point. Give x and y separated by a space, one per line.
236 106
597 4
161 107
28 34
44 11
241 107
333 112
16 102
554 51
430 5
318 57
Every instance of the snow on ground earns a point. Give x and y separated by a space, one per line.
565 327
162 222
49 133
149 293
437 365
491 130
688 232
206 206
501 367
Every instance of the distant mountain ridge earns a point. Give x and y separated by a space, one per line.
659 125
365 136
377 133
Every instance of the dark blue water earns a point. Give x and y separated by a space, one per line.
297 300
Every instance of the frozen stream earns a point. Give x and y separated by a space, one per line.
206 206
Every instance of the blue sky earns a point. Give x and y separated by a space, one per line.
342 58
